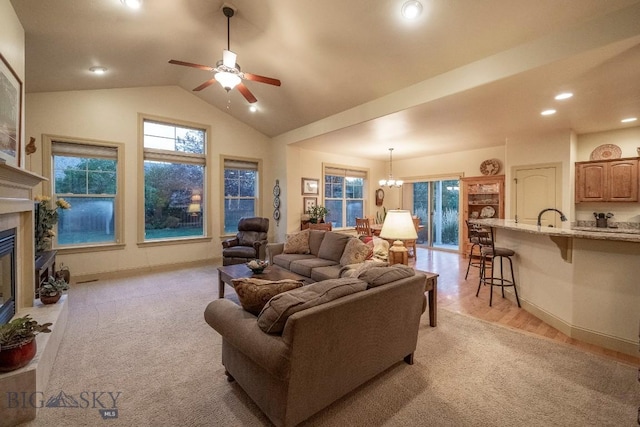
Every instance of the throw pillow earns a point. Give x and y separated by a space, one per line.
297 243
377 276
355 252
255 293
380 248
275 313
332 245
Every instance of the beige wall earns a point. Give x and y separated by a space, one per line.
12 48
112 115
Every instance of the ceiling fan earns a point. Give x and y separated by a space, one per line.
227 71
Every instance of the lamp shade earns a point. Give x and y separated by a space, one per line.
398 225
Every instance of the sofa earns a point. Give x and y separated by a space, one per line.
323 351
321 255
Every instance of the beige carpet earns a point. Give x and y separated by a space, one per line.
145 338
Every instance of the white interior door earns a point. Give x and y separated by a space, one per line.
537 189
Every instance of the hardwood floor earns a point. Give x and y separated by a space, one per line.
459 295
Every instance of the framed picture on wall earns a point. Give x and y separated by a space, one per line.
310 186
10 114
309 202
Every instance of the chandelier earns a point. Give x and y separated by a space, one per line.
390 182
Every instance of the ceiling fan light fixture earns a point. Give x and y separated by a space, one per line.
227 80
411 9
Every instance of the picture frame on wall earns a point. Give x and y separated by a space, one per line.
310 186
308 203
10 114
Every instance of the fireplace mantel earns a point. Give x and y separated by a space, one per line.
16 210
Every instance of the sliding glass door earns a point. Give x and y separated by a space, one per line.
436 204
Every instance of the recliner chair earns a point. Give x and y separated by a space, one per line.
249 243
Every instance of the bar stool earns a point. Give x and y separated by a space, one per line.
489 252
474 239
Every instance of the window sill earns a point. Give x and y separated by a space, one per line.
94 248
186 240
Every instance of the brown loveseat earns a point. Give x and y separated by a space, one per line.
325 351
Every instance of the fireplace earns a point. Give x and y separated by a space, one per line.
7 275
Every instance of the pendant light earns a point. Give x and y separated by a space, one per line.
390 182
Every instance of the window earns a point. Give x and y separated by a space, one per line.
174 180
344 195
240 191
86 174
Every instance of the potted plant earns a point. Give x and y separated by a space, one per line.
51 290
317 214
46 218
17 342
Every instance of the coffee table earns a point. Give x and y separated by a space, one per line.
227 273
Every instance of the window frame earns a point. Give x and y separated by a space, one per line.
327 168
179 157
48 190
258 186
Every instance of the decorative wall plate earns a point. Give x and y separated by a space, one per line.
487 212
490 167
606 152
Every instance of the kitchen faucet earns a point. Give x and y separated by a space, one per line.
562 217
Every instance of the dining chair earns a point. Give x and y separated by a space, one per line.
363 227
411 244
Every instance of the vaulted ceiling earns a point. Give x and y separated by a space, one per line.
357 78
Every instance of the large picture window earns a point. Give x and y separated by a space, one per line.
86 175
240 191
344 195
174 180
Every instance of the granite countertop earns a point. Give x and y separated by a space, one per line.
626 235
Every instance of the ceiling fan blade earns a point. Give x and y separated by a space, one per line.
229 58
190 64
262 79
205 85
246 93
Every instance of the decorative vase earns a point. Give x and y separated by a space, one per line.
16 356
64 274
46 299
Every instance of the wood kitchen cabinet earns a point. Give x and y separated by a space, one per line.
482 197
607 180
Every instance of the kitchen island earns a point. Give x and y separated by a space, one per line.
585 283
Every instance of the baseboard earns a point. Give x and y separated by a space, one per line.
582 334
142 270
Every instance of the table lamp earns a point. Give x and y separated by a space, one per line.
398 226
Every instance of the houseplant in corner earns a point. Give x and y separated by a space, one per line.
51 290
17 342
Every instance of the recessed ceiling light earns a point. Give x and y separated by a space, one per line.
411 9
98 70
563 95
133 4
629 120
253 108
548 112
